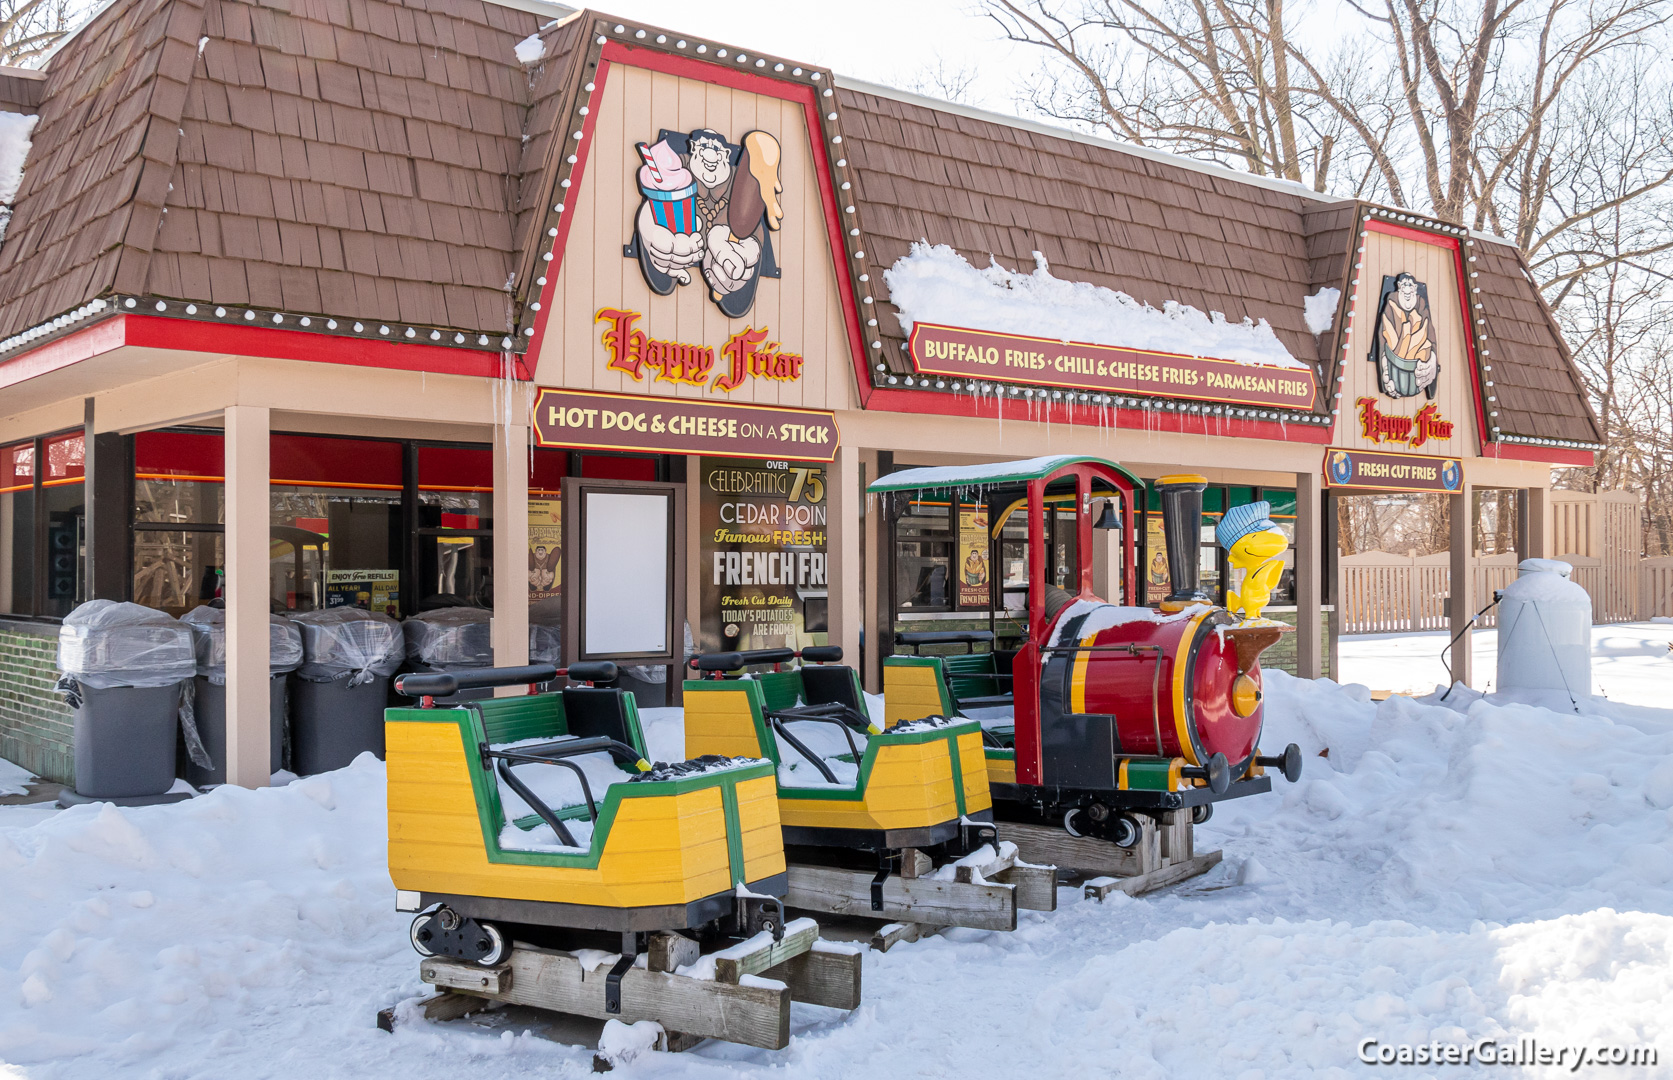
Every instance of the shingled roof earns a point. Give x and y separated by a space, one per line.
318 156
394 160
1159 228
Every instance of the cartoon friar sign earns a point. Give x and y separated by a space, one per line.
1404 346
709 205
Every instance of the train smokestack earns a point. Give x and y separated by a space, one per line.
1182 525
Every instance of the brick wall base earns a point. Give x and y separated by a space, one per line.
36 727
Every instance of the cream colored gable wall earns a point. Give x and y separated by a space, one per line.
801 308
1454 394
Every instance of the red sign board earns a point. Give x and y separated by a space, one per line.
1014 358
594 421
1374 471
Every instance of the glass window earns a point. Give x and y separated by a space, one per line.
336 521
17 529
178 570
924 558
455 487
63 505
178 478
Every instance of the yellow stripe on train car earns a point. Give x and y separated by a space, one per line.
658 850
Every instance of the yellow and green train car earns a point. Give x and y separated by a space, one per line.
916 785
659 848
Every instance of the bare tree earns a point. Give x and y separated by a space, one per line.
945 80
1547 122
1482 113
29 28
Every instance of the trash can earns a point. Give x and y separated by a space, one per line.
123 670
209 638
451 639
339 692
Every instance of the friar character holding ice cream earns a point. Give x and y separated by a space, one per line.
707 204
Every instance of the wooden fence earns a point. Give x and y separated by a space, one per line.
1598 534
1389 594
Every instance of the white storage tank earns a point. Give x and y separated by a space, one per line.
1545 631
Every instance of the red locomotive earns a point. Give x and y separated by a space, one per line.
1111 708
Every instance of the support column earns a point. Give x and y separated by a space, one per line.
1462 606
511 549
842 546
108 472
870 666
1309 573
248 525
1536 537
880 638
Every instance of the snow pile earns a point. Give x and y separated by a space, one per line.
15 132
1320 310
935 284
14 779
1443 871
531 50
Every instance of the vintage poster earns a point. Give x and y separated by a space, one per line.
763 554
374 590
545 548
973 576
1156 586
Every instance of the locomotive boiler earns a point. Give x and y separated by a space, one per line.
1107 712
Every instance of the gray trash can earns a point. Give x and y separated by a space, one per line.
208 626
450 639
123 669
124 740
461 639
339 692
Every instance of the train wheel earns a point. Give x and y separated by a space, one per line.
420 934
1125 832
1071 825
498 948
1200 814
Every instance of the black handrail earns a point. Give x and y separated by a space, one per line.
818 762
779 719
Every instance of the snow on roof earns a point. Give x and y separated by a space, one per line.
994 472
934 284
15 130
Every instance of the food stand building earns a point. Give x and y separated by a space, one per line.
352 301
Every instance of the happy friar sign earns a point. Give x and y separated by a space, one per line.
1404 346
708 205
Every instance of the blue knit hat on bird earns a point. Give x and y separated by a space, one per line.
1240 521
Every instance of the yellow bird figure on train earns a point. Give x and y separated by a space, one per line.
1255 545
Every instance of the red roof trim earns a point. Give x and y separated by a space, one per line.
191 335
89 341
1553 455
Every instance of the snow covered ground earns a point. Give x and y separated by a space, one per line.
1442 872
1631 662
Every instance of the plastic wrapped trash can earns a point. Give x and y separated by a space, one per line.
461 639
339 692
451 639
124 671
209 637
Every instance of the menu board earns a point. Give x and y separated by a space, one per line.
973 571
762 554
